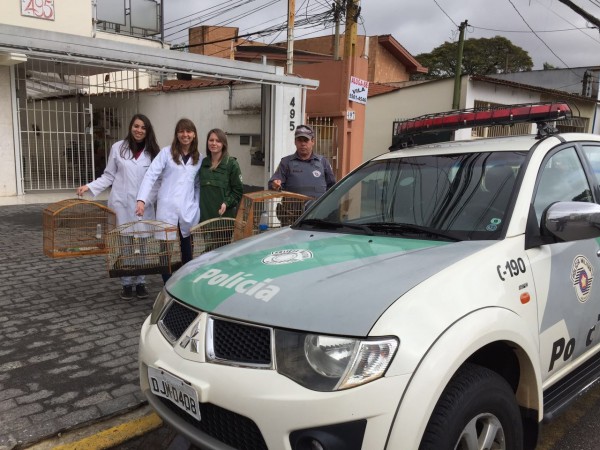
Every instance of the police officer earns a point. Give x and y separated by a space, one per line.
303 172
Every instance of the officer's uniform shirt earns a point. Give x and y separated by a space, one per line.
311 177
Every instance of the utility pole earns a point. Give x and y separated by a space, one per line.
350 32
290 36
336 40
583 13
458 71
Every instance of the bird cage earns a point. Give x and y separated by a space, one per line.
76 227
262 210
142 248
212 234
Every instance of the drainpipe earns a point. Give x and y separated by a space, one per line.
94 18
162 23
596 106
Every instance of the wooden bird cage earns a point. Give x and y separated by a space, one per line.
76 227
212 234
142 248
278 209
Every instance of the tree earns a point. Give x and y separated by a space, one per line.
481 56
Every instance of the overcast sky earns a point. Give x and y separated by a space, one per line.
547 29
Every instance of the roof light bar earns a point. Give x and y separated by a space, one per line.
473 117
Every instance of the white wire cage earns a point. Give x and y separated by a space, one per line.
263 210
212 234
142 248
76 227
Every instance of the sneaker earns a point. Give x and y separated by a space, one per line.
127 293
140 291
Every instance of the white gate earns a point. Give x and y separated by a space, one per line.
326 139
69 116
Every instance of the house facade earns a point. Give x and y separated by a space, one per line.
67 97
420 98
340 121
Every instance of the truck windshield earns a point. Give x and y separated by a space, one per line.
454 197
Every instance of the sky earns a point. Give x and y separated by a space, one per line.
548 30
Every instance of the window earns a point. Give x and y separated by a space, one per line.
468 194
562 179
592 152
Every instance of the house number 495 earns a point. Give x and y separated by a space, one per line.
40 9
292 114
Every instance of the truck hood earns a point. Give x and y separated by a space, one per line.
313 281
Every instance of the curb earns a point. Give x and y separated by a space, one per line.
106 434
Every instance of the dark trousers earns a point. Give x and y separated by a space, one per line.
186 252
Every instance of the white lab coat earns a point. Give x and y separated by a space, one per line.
178 198
124 174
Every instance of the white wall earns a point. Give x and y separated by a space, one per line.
208 109
8 182
72 16
237 113
404 103
495 93
432 97
288 105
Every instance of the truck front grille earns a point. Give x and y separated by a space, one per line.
240 343
176 320
227 341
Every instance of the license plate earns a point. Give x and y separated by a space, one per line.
174 389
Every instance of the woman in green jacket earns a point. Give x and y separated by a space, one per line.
221 185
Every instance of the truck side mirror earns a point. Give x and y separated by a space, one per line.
571 221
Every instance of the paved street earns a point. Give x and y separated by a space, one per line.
68 348
68 343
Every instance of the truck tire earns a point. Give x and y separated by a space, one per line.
476 411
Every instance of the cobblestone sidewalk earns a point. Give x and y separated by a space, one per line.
68 343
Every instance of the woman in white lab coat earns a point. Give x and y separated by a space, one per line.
179 191
127 164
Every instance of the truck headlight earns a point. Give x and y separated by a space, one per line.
329 363
162 300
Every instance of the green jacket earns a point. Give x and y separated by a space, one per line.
218 186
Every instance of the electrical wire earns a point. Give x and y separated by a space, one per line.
220 13
570 23
319 18
536 35
302 23
442 9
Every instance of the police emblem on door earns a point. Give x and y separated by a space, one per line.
581 276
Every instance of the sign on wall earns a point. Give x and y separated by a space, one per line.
40 9
359 89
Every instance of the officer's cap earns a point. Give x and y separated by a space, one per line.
304 131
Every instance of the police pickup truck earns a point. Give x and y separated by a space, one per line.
438 297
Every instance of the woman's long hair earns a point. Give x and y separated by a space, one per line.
223 139
150 144
185 125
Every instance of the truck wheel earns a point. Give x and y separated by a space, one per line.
477 411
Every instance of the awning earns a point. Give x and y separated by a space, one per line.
95 51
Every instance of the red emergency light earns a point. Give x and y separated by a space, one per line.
476 117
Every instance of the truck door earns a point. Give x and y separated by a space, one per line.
564 272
